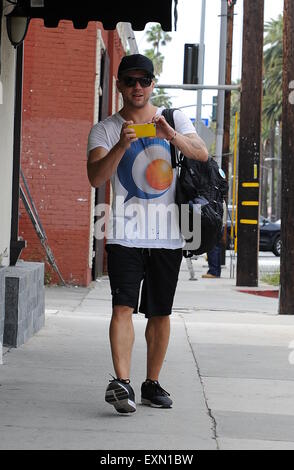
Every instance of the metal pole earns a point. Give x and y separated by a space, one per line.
16 245
221 81
272 155
200 66
279 188
227 115
200 87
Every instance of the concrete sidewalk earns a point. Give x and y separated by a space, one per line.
228 369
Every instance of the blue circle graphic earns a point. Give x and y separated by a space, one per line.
124 169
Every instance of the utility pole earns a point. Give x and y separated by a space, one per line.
227 114
287 213
272 157
249 145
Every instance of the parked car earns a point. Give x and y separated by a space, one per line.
269 234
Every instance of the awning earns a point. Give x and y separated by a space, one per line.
109 12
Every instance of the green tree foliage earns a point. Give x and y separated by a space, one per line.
272 108
161 98
273 74
158 39
157 60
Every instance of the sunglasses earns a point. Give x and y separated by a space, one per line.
144 82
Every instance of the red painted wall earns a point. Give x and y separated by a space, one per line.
58 109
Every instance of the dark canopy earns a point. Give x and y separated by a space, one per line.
136 12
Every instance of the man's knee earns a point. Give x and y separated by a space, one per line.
122 311
159 320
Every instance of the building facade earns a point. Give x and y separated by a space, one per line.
69 83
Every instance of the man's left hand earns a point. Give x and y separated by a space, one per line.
163 129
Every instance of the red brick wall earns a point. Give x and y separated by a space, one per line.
116 52
58 108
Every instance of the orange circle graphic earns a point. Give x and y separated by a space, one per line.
159 174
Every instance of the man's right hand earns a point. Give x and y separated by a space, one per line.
127 135
102 163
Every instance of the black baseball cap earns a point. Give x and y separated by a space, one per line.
136 62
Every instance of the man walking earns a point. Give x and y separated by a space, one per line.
139 246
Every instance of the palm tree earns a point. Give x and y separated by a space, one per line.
157 60
161 98
272 104
273 70
158 39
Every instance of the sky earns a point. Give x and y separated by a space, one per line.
188 31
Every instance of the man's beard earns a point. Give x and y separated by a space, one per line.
136 104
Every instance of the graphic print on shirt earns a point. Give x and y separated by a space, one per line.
145 170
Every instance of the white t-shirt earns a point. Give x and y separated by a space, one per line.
143 213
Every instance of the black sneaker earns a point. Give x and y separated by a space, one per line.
120 394
152 394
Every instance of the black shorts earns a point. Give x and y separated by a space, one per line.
158 268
